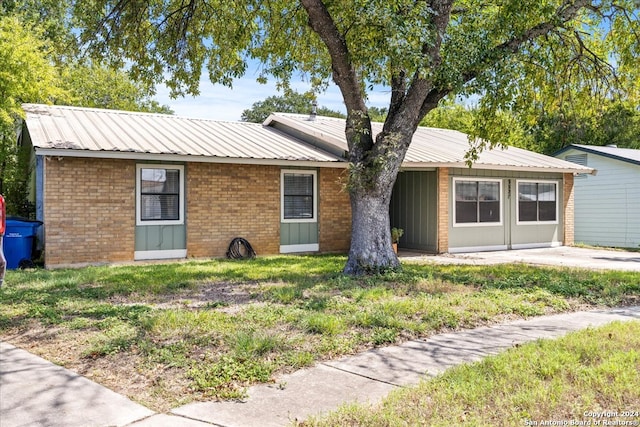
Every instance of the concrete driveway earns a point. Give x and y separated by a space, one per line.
564 256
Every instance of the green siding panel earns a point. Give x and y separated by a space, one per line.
414 209
298 233
160 237
510 233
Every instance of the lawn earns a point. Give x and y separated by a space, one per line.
168 334
590 377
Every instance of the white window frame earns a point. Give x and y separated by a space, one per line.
182 197
478 224
537 181
283 172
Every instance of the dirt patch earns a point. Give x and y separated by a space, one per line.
208 294
158 387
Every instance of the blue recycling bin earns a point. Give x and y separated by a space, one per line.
18 242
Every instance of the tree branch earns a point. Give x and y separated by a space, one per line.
565 13
344 75
413 107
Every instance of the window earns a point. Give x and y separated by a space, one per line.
477 202
537 201
160 194
299 196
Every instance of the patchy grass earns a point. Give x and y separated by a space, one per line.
166 334
587 376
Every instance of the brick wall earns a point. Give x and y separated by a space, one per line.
335 211
443 210
568 208
226 201
89 210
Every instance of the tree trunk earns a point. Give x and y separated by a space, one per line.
371 250
373 173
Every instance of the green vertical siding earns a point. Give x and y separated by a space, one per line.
414 209
160 237
298 233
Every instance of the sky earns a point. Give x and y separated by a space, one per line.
218 102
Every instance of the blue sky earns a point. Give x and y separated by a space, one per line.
218 102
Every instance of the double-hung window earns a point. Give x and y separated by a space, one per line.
477 201
299 196
160 194
537 202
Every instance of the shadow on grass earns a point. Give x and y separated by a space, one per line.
308 281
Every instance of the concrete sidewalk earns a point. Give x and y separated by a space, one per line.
34 392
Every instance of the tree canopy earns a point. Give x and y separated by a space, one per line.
40 62
26 75
509 53
290 102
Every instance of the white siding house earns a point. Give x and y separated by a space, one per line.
607 205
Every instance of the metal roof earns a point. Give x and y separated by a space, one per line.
430 147
629 155
90 132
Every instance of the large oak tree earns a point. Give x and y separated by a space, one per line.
421 50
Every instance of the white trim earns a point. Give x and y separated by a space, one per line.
289 249
182 197
477 249
146 157
476 224
513 168
283 172
168 254
338 163
537 245
536 181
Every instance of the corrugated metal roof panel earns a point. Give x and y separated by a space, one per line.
432 147
88 129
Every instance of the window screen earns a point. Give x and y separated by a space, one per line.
159 194
298 196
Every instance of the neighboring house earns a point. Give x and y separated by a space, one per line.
120 186
607 204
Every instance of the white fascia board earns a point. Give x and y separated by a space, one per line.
462 165
51 152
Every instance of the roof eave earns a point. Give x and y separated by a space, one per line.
53 152
518 168
596 152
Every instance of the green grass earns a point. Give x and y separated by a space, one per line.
215 327
586 372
